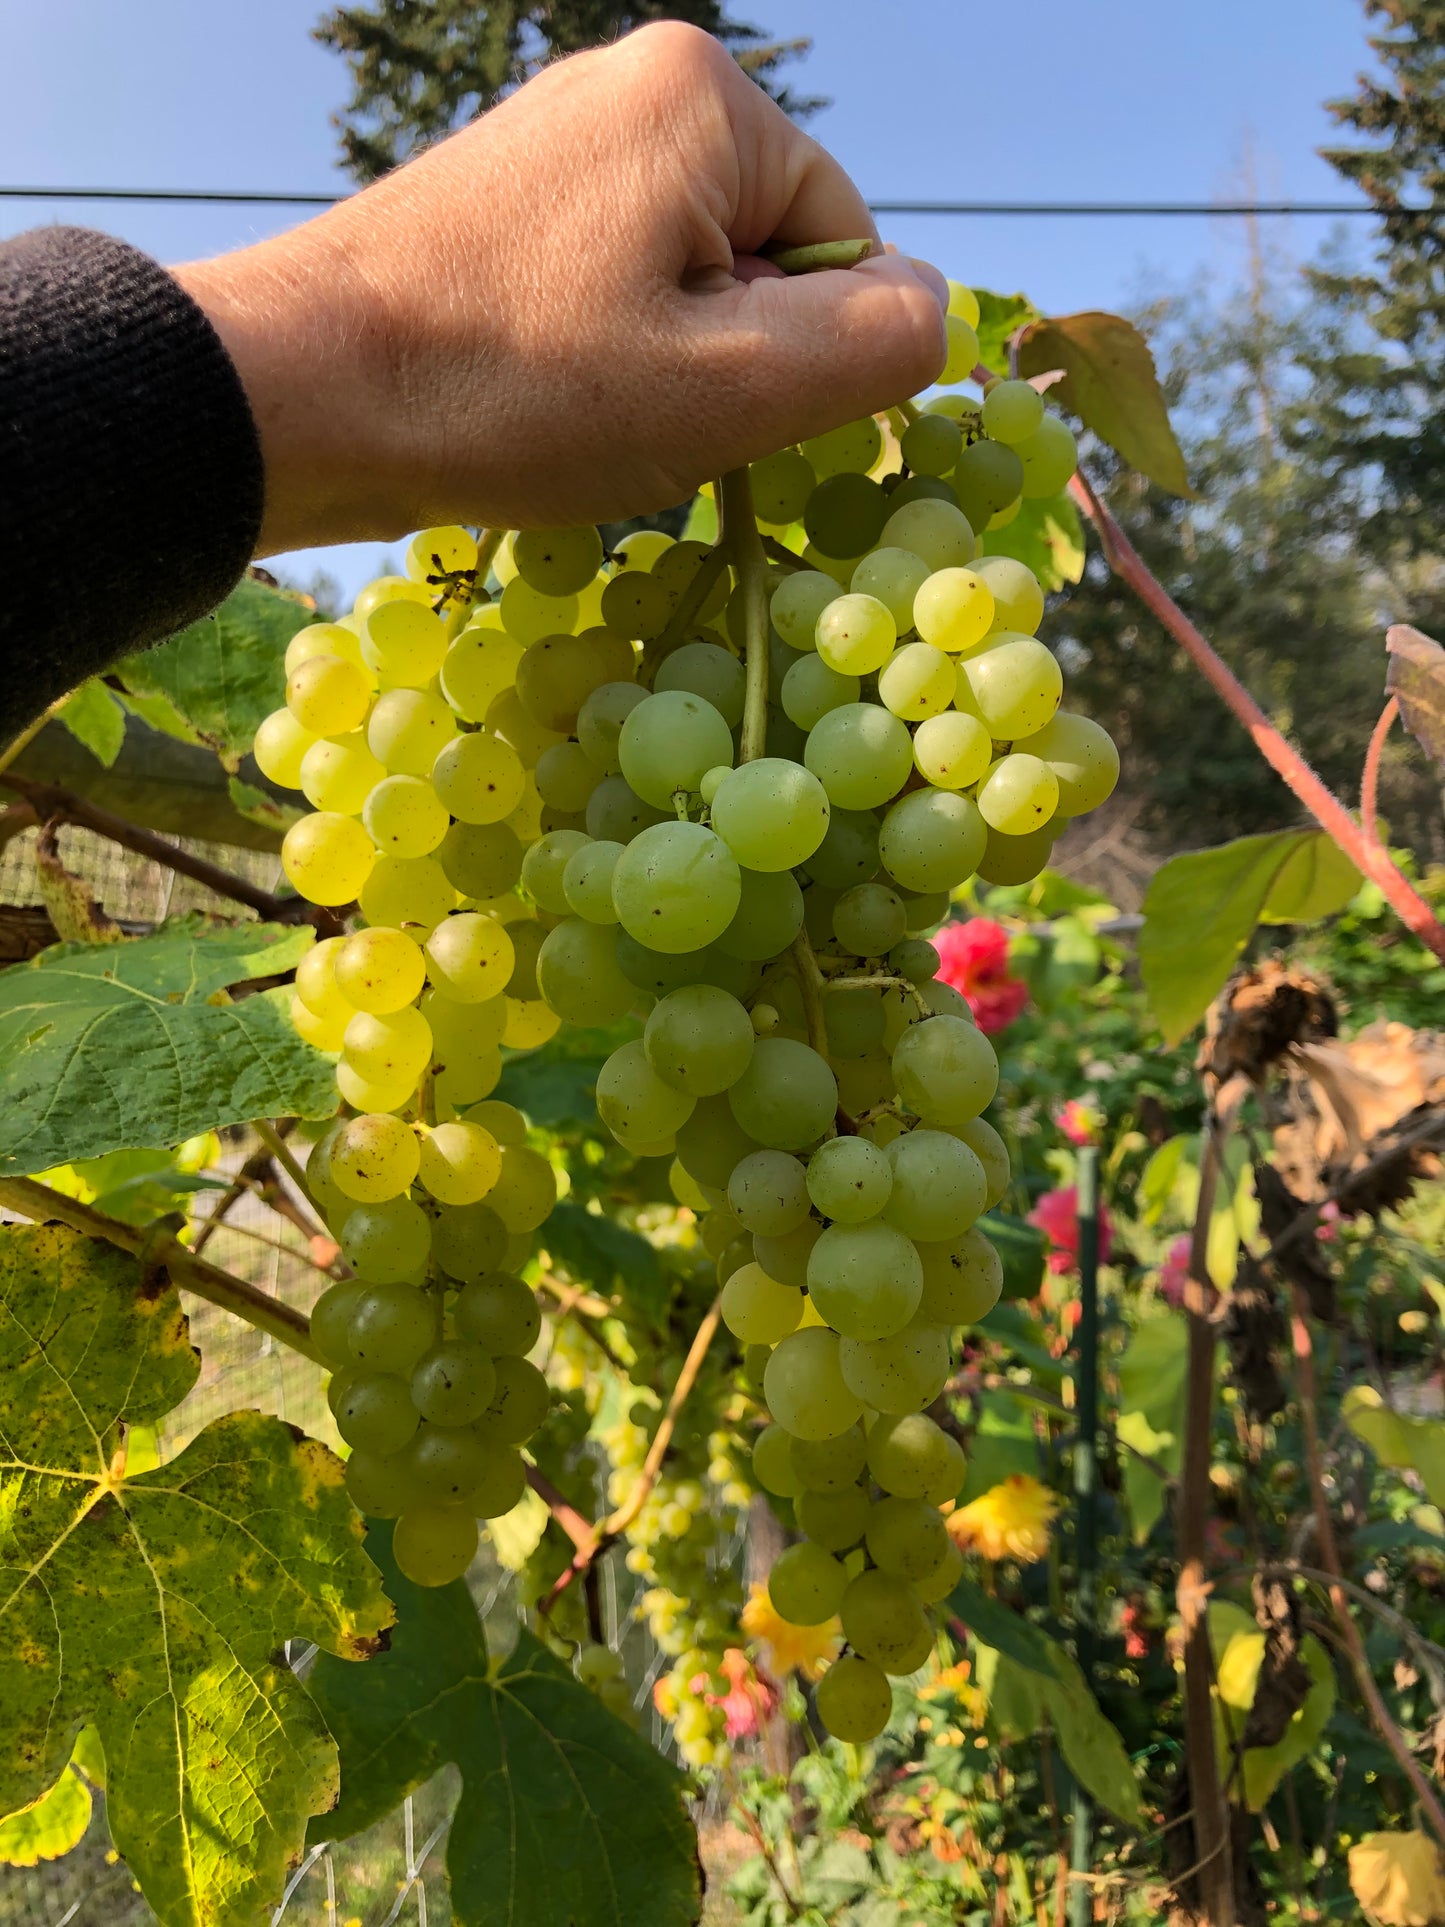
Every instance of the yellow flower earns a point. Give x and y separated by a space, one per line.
1396 1878
1009 1521
808 1650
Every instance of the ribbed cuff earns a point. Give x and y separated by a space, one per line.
131 482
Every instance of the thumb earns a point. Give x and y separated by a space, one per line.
811 351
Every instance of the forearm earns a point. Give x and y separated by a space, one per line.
130 475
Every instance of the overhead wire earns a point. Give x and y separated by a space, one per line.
266 197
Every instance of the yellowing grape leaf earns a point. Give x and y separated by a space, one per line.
1237 1644
216 681
56 1822
1200 911
1111 385
156 1607
565 1816
1047 535
116 1046
1398 1439
1416 678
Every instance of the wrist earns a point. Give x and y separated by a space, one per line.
310 342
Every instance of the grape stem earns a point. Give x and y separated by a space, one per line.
283 1155
812 983
740 533
22 742
1211 1824
1370 774
1330 1559
880 980
821 255
600 1537
49 801
1284 759
656 652
258 1178
42 1205
775 551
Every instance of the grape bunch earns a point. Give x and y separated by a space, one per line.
726 789
433 1210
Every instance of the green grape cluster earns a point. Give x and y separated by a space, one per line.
430 1383
580 799
426 1181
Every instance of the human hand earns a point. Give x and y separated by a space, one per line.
558 315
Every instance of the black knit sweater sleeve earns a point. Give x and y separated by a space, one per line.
130 470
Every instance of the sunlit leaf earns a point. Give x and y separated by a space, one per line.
1110 383
115 1046
156 1607
565 1814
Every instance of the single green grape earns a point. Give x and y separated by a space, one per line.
708 671
578 974
935 531
855 1701
1012 411
771 814
500 1313
797 603
558 562
806 1584
849 1179
667 744
865 1279
861 755
757 1309
919 682
698 1040
635 1104
327 857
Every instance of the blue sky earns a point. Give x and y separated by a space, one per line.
1101 99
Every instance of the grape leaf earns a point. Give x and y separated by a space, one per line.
565 1816
219 678
1151 1412
1237 1645
115 1046
597 1251
156 1606
172 786
1038 1671
1021 1247
1200 910
999 317
1089 1741
1111 385
56 1822
256 806
1415 676
998 1626
1047 535
94 717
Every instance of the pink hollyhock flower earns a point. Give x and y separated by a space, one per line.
1174 1273
1057 1215
1328 1228
748 1700
1079 1121
973 957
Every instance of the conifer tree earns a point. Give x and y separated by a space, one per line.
1386 402
420 68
